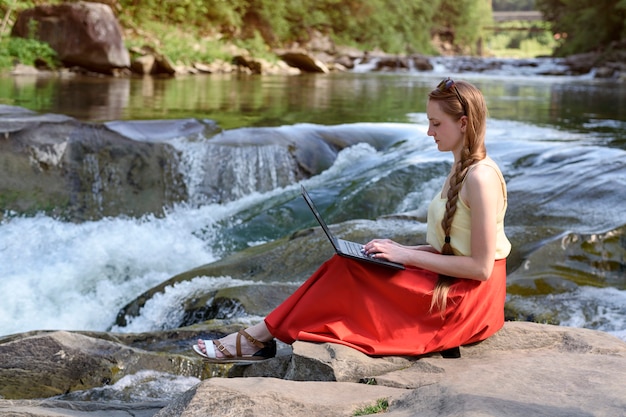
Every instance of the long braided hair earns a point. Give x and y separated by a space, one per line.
466 101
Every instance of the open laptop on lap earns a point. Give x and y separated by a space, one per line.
345 247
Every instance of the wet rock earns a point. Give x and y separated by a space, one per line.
247 160
596 259
403 63
393 63
52 363
58 165
582 63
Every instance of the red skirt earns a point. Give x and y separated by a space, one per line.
381 311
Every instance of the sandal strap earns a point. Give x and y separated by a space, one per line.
250 339
225 351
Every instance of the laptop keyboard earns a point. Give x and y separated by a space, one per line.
354 248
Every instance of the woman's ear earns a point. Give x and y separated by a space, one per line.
463 120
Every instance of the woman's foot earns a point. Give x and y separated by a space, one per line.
253 344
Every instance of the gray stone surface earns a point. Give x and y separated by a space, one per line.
525 370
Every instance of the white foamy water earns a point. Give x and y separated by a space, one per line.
165 310
60 275
587 307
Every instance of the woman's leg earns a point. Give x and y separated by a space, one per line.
259 331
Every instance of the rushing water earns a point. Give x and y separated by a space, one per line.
561 142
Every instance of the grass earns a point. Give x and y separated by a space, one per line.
184 46
381 406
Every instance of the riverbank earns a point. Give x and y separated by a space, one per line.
126 52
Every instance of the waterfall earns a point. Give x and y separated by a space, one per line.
231 172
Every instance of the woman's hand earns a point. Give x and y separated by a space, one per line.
395 252
386 249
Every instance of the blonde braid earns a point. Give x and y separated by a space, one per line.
456 182
473 151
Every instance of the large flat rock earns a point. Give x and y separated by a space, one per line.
524 370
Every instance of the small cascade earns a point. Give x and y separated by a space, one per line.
232 172
92 168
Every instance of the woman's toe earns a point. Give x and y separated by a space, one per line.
202 346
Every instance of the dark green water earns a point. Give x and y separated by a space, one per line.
576 104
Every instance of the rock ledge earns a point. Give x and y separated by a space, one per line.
526 369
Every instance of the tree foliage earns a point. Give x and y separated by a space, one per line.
585 25
397 26
465 19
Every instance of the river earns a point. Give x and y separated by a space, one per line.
561 142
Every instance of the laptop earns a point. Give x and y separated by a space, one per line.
345 248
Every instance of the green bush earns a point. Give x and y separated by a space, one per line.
26 51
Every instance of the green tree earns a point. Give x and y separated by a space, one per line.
584 25
398 26
462 21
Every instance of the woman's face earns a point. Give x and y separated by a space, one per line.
447 132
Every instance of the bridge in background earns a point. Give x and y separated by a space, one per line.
529 17
510 16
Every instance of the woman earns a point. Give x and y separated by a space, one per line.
452 291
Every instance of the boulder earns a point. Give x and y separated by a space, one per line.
304 62
582 63
83 34
254 66
393 63
148 61
275 397
422 63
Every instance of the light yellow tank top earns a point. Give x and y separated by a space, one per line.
461 224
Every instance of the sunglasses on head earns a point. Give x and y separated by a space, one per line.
447 85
